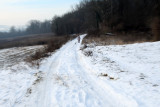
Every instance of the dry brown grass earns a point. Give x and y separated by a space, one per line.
28 40
117 39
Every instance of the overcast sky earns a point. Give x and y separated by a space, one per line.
19 12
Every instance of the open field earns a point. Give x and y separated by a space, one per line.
28 40
13 56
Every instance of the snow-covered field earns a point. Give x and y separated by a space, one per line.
12 56
132 70
16 76
115 76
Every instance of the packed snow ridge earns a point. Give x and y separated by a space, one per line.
110 76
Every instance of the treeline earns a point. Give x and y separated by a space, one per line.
102 16
33 27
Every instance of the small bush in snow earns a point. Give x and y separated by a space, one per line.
88 53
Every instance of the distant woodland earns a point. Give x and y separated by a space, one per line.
100 17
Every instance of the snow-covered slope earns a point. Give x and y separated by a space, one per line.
133 70
70 79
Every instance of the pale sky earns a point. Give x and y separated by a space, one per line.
19 12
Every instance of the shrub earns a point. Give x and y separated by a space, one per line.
39 54
88 53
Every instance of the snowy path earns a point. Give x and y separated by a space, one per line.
69 83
